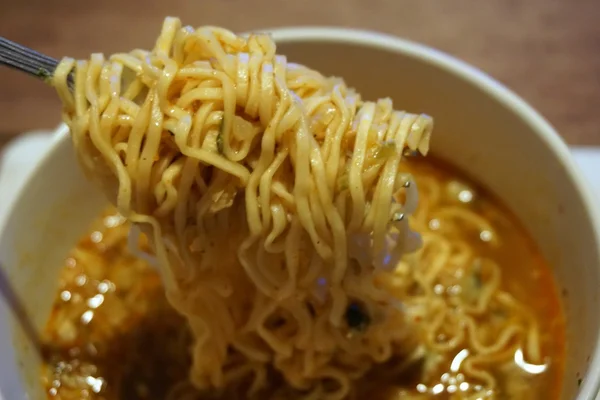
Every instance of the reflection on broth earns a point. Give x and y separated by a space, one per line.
481 300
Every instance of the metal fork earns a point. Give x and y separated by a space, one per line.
27 60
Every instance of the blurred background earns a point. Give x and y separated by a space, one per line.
548 51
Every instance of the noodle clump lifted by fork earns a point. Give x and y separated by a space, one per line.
271 195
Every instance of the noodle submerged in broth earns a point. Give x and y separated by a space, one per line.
281 212
489 321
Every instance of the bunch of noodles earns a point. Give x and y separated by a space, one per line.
271 196
476 340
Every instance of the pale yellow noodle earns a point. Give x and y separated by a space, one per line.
228 158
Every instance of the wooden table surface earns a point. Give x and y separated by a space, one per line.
548 51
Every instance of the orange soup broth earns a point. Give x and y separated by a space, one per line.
113 336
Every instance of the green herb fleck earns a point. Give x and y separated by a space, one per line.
220 138
579 382
386 149
44 75
342 183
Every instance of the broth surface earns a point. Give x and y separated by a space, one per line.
112 334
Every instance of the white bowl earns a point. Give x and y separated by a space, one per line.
481 127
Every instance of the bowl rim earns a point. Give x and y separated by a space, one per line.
509 99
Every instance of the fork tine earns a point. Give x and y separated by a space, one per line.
27 60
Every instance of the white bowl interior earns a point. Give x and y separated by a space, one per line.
52 211
480 127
